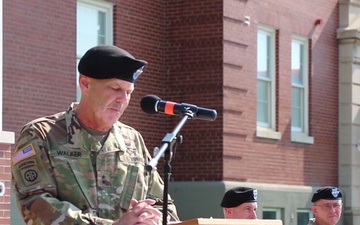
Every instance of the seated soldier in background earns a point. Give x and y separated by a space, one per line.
240 203
327 206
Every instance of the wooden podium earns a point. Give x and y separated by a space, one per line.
210 221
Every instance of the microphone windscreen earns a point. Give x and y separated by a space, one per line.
148 104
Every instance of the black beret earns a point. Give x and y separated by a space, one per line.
237 196
109 61
330 193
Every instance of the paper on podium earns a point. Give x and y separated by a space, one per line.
210 221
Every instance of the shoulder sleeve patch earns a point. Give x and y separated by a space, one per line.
22 154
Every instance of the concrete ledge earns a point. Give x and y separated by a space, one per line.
301 138
7 137
267 133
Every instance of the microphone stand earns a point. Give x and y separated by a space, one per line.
168 142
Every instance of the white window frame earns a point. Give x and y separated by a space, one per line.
106 7
5 136
268 130
276 210
301 134
311 214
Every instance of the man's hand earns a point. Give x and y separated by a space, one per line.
141 213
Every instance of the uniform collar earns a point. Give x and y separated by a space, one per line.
78 137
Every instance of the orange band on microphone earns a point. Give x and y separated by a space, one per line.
169 108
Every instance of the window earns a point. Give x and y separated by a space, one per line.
94 26
266 85
300 90
303 216
271 213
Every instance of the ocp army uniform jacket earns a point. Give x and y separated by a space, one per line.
56 182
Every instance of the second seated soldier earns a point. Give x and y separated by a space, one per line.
240 203
327 206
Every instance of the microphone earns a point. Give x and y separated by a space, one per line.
153 104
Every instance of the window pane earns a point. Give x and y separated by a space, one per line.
263 90
302 218
297 63
102 27
296 107
269 215
299 76
265 75
90 28
263 55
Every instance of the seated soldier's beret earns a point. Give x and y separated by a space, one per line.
108 61
237 196
330 193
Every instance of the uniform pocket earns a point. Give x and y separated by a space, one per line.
75 177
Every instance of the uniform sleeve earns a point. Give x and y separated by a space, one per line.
156 192
156 189
35 187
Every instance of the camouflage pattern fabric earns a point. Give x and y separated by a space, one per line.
56 182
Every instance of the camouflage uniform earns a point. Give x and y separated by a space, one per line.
64 175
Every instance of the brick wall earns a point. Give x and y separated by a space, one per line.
139 28
39 59
194 75
5 177
253 159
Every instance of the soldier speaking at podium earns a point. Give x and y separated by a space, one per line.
82 166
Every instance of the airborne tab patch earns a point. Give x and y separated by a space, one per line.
24 153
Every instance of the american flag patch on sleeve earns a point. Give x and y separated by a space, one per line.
23 154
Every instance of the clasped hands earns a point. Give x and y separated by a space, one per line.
141 213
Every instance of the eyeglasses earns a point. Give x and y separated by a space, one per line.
329 207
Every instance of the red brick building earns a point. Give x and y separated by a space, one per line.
270 68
